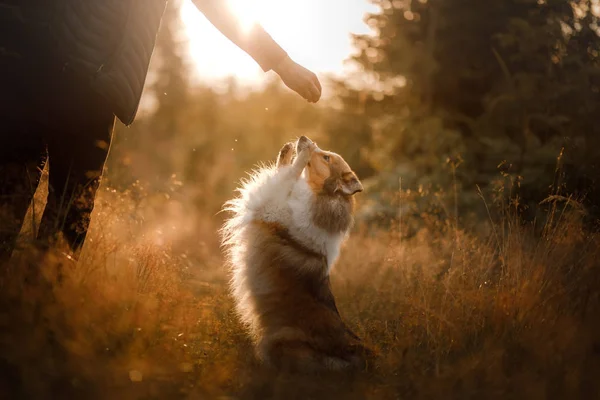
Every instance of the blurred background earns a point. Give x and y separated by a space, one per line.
418 96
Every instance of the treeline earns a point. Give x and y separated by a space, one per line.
497 88
454 95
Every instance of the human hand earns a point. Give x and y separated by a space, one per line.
299 79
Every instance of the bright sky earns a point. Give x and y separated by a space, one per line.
315 33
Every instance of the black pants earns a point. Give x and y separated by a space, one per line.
47 114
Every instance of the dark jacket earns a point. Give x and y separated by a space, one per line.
109 43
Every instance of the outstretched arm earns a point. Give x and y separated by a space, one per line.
257 42
262 48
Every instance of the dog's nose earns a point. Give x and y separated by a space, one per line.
358 187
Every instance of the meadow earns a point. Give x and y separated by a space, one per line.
503 309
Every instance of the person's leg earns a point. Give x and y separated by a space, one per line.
22 156
78 144
22 150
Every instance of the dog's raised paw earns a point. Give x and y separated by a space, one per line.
285 154
303 143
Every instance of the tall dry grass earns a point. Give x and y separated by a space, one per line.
453 312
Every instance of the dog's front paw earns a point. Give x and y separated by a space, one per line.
305 143
285 154
304 151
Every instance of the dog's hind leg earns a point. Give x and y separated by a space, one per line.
299 357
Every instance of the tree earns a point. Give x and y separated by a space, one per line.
172 86
149 148
499 82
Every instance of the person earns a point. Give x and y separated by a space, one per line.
67 69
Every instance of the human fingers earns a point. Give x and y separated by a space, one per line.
309 90
314 86
315 92
305 93
317 83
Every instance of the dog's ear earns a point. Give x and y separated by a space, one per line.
349 186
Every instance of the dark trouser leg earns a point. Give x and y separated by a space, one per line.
22 157
22 149
68 117
77 152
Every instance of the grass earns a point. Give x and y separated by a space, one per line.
511 313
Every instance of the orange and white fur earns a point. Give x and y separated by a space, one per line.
284 236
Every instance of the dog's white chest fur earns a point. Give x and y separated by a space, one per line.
276 196
301 201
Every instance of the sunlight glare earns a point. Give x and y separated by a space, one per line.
248 12
315 33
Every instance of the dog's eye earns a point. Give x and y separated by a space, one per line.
326 157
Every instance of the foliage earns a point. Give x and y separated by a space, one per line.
452 313
492 83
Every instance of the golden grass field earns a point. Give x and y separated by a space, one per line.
145 314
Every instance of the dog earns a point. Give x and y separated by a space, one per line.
284 235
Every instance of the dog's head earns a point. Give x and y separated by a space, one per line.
328 173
